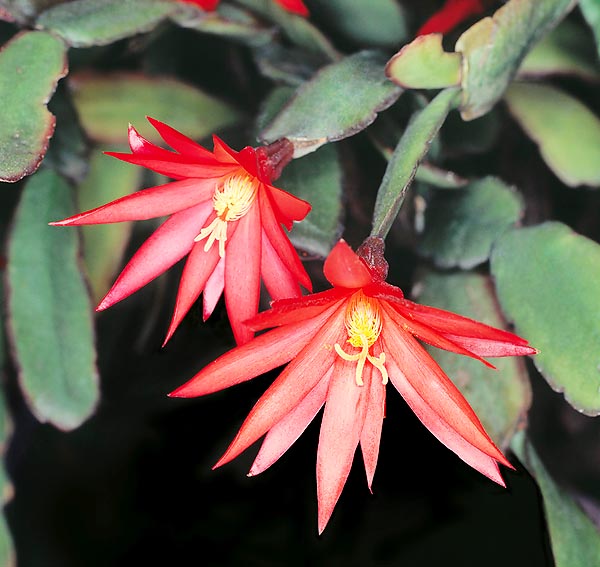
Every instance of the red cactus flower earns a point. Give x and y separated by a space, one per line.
223 212
452 13
343 345
294 6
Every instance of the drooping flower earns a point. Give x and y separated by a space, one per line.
452 13
293 6
343 346
224 213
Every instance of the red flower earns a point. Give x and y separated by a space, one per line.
294 6
343 345
223 213
452 13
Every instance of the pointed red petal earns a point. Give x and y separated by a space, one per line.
294 6
448 323
263 353
213 290
428 335
279 281
197 270
242 274
287 311
342 424
176 166
180 142
292 385
139 145
149 203
429 380
223 152
285 433
280 242
208 5
370 435
287 207
441 429
166 246
485 347
343 268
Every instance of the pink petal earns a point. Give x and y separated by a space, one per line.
180 143
290 388
285 433
279 281
370 435
294 6
263 353
285 311
430 382
242 274
487 347
139 145
287 207
149 203
428 335
441 429
198 268
280 242
166 246
223 152
342 424
343 268
449 323
213 289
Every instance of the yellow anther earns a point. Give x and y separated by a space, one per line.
231 201
363 324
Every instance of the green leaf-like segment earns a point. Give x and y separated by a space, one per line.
494 48
461 226
316 178
31 65
402 167
104 244
547 281
107 104
50 316
501 398
341 100
575 540
591 12
423 64
83 23
567 132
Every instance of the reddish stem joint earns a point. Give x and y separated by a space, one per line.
273 158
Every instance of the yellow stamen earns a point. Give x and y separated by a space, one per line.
231 201
363 324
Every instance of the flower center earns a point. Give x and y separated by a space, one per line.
363 324
231 201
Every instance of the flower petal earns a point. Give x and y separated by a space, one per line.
440 428
281 243
148 203
287 207
343 268
486 347
286 311
223 152
429 380
198 268
263 353
279 281
294 6
452 13
213 290
179 142
341 427
285 433
370 436
242 274
428 335
448 323
289 389
166 246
